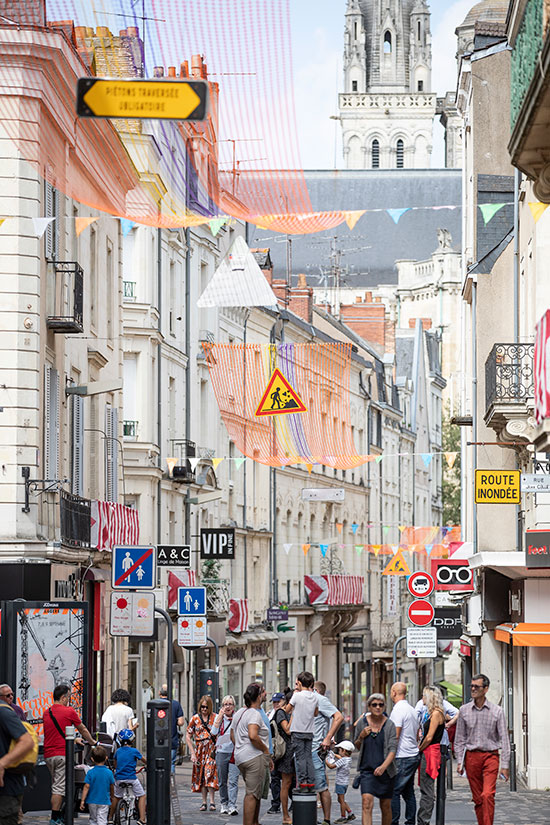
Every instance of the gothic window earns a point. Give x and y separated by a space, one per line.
387 43
353 85
355 30
419 31
420 85
400 151
375 154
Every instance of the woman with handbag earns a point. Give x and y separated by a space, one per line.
433 727
228 772
250 735
204 778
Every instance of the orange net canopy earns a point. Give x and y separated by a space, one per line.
255 406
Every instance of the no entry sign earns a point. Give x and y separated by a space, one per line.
420 584
421 612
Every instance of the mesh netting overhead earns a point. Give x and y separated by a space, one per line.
165 173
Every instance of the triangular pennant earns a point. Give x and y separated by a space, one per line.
288 548
40 225
352 217
538 209
339 526
2 221
216 462
323 548
401 527
359 547
216 224
126 226
305 549
171 462
385 529
342 546
489 210
379 458
309 467
238 281
81 224
239 462
354 527
429 548
376 548
395 214
450 458
427 458
279 397
397 566
193 462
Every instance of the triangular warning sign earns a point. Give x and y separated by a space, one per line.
279 397
397 566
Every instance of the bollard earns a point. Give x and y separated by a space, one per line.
513 772
70 734
158 762
304 808
440 789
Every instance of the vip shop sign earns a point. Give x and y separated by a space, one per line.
217 543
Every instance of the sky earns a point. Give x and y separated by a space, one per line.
317 49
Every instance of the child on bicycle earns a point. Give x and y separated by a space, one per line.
98 788
126 758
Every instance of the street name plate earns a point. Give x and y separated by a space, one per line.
421 642
535 483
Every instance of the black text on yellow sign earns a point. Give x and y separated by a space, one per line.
497 487
152 99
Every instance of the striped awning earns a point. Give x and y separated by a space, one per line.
523 634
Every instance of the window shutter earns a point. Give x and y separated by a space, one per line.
51 423
51 210
111 453
78 446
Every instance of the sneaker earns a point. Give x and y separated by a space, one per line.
350 818
340 820
224 809
273 810
234 812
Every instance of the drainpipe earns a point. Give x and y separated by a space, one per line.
517 181
187 503
245 524
159 383
474 400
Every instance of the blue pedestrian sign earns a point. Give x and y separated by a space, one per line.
134 568
192 601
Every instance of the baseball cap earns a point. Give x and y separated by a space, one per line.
346 745
277 697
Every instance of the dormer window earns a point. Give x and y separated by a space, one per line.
387 43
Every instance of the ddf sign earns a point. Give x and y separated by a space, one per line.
218 543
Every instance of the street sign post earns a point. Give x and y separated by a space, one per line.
421 612
133 568
421 642
156 99
192 631
132 614
192 601
174 555
497 487
420 584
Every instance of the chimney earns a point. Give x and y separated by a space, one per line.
426 323
171 71
280 288
367 319
358 299
196 66
184 69
368 297
301 299
158 71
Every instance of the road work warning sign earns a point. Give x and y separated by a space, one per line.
497 487
279 397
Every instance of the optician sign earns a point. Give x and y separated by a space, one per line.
497 487
452 574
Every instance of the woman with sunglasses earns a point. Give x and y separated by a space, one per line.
377 743
204 778
433 727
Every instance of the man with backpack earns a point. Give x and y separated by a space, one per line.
56 719
12 784
279 746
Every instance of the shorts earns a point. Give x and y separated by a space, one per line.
137 787
56 767
321 783
379 786
254 774
340 789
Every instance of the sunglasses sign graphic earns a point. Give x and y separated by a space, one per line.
453 574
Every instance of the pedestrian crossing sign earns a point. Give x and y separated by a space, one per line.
279 397
397 566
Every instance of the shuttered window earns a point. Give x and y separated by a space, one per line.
51 423
77 458
51 210
111 453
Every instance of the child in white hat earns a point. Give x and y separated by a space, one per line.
342 764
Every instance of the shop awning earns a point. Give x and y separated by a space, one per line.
523 634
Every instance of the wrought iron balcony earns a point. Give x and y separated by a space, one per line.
217 596
509 385
65 296
75 513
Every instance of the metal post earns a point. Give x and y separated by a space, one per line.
395 646
440 789
70 734
159 735
513 771
169 652
217 660
304 808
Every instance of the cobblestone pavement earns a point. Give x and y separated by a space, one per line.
521 808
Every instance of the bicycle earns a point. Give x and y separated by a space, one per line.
127 808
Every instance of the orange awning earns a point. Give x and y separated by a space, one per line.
523 634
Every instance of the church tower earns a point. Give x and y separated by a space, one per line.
387 106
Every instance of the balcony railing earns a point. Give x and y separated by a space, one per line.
74 520
65 297
129 290
130 429
509 375
217 596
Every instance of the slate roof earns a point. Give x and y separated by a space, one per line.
486 264
494 189
414 237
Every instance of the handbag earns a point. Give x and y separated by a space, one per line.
205 726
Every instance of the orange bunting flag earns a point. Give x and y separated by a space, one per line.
339 526
353 216
81 224
450 459
305 548
375 548
309 468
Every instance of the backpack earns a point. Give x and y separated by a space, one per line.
27 762
279 744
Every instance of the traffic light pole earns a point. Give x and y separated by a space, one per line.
169 652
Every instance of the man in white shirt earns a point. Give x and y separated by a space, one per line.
405 720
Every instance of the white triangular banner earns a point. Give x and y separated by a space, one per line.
40 225
238 281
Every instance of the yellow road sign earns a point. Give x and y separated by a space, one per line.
279 397
397 566
497 487
152 99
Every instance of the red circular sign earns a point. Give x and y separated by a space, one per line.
161 714
421 612
420 584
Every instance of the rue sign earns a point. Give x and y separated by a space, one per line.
152 99
421 612
535 482
497 487
420 584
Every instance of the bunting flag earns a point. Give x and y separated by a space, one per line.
376 548
2 221
450 458
40 225
238 615
193 463
287 548
379 458
82 223
489 210
401 527
359 548
427 458
323 548
126 226
238 281
385 529
354 527
318 373
339 526
239 462
429 548
216 224
538 209
352 217
305 549
396 214
216 462
309 468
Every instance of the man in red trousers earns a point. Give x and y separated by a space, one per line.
480 733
